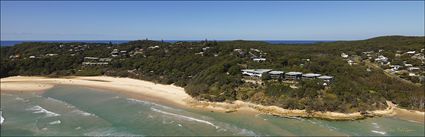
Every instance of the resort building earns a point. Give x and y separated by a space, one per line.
255 72
310 75
293 75
276 74
326 78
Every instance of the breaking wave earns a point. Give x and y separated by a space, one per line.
131 100
1 118
376 126
38 110
379 132
185 117
55 122
83 112
109 132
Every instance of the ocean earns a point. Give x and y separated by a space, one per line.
72 110
300 42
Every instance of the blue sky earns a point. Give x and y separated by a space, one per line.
219 20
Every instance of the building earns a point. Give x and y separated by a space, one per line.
350 62
255 72
293 75
115 53
94 63
413 69
326 78
310 75
381 59
259 59
276 74
51 54
411 52
395 67
343 55
105 59
91 58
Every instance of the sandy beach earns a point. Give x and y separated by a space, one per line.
177 96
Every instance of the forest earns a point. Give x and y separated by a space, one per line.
211 70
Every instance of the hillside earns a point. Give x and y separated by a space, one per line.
211 70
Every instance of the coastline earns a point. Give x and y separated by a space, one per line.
171 94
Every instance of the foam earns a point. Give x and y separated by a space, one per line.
1 118
37 109
184 117
379 132
59 101
131 100
55 122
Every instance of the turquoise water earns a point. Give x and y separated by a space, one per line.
66 110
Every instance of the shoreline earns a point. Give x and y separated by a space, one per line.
173 95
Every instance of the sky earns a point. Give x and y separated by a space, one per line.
214 20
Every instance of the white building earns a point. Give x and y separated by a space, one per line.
255 72
259 59
276 74
310 75
293 75
343 55
413 68
411 52
326 78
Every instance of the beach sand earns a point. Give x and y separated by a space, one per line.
173 95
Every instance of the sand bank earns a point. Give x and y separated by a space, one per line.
177 95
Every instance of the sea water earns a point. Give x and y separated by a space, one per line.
66 110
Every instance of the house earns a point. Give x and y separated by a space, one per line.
368 53
343 55
255 72
51 54
411 52
310 75
419 56
395 67
397 55
350 62
32 57
408 65
276 74
123 53
94 63
200 53
293 75
413 69
256 50
153 47
326 78
205 48
105 59
381 59
259 59
115 53
91 58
